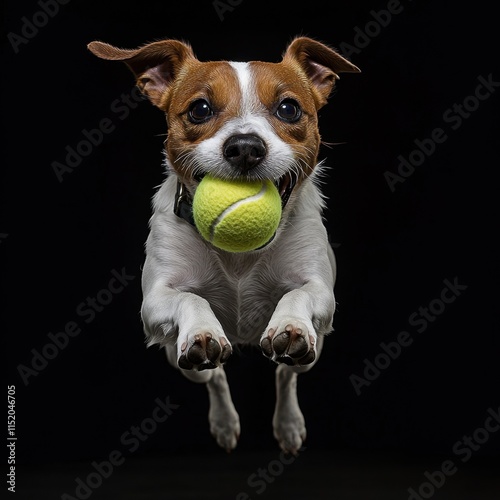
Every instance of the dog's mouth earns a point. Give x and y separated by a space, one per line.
184 201
284 184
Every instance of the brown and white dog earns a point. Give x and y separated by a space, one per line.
251 120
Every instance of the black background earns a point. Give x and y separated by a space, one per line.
60 242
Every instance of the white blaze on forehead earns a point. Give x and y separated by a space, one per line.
253 116
249 97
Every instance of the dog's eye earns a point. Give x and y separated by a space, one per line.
289 111
200 111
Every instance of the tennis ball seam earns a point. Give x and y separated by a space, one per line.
235 206
237 215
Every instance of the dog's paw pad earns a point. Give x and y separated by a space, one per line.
266 344
226 350
290 344
204 352
308 358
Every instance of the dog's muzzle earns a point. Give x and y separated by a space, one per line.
243 152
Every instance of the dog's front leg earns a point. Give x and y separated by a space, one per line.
200 344
294 338
299 318
186 319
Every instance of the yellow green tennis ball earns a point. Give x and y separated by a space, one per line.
236 215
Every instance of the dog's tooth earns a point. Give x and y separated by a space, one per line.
284 184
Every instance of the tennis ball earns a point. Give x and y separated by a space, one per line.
236 215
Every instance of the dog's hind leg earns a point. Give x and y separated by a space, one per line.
223 419
222 416
288 422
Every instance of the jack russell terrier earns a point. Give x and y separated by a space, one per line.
239 120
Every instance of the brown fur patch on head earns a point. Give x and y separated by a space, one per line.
214 82
170 75
278 82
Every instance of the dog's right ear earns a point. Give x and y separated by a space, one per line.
154 65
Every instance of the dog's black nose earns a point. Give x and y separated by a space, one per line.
244 151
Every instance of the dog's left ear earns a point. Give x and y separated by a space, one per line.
320 63
154 65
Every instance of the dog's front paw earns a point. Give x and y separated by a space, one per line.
203 350
290 342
